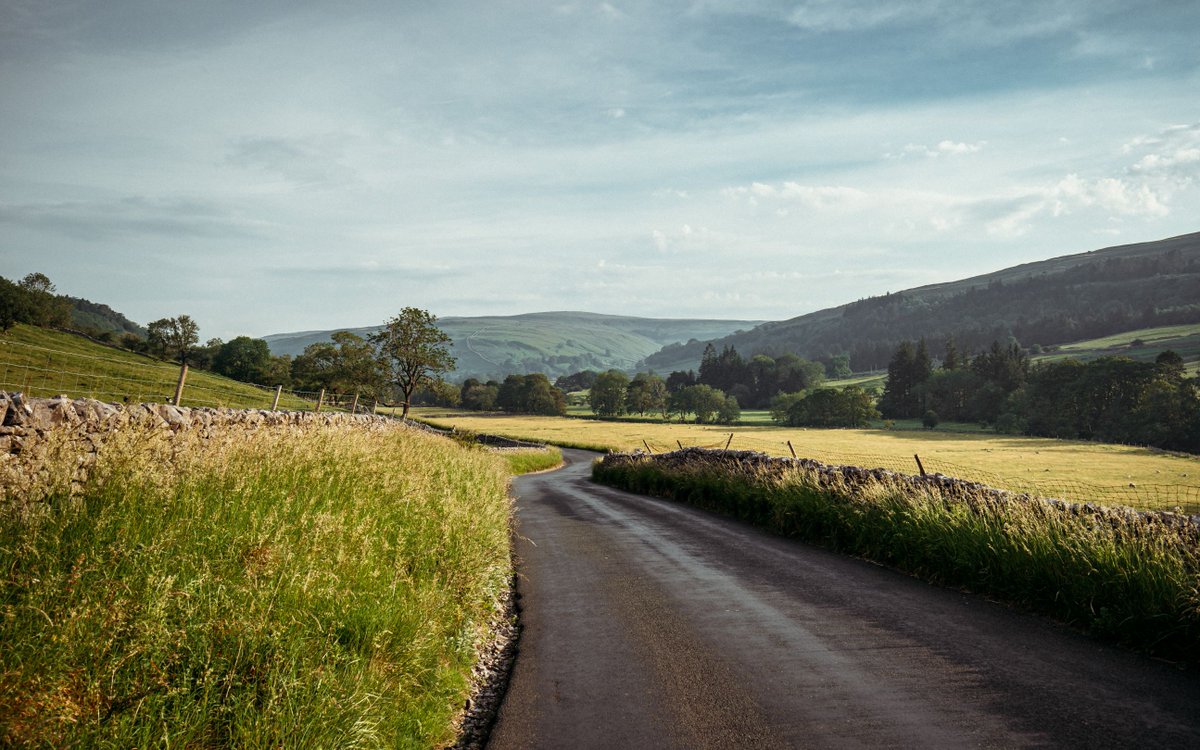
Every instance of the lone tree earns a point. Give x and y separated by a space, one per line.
413 351
173 337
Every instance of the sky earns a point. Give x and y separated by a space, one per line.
292 165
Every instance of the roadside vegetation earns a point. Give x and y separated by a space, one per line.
326 587
1113 573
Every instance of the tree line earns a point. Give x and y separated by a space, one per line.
1110 399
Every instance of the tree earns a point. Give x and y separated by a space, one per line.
412 351
730 412
174 338
244 359
646 393
41 306
478 396
607 397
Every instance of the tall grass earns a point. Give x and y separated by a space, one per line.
316 588
528 461
1117 574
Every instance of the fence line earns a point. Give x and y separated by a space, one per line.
1143 496
77 374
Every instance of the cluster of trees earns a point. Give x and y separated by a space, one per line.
756 381
517 394
962 389
1111 399
613 394
32 300
851 406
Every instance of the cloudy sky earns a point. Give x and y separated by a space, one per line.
286 165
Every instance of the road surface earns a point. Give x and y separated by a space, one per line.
648 624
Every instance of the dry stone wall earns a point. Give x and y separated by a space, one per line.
755 466
31 426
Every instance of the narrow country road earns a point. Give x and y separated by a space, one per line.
647 624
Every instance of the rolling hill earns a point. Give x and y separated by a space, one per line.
554 343
1047 303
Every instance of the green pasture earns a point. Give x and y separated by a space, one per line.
42 362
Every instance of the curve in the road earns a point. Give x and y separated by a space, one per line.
646 623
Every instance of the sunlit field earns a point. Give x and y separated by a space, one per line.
1073 470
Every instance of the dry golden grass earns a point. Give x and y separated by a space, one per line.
1059 468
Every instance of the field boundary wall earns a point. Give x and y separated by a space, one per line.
760 464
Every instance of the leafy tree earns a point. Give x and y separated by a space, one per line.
579 381
702 400
412 351
174 338
730 412
607 397
13 304
646 393
834 407
839 366
478 396
243 359
929 419
37 304
530 394
678 380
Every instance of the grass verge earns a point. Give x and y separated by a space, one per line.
326 587
529 461
1117 574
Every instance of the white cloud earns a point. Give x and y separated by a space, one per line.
943 148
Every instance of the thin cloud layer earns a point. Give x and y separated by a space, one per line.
304 165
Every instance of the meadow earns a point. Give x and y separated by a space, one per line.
41 362
1073 470
318 587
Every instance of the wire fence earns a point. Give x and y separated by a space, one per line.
1181 498
40 371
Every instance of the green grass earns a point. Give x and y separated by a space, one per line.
1113 573
41 362
1184 340
324 588
529 461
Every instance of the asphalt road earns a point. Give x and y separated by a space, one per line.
648 624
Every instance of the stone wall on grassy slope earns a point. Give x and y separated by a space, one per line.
31 426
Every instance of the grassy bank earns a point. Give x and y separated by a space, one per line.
1115 574
42 362
324 588
529 461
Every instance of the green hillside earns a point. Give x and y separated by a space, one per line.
1049 303
554 343
44 362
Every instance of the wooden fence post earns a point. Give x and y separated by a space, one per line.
648 448
679 444
354 406
919 466
793 450
275 401
320 398
179 386
730 440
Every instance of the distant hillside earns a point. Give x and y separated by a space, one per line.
554 343
88 316
1051 302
